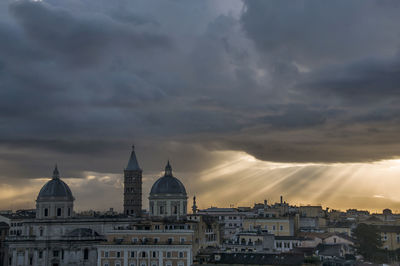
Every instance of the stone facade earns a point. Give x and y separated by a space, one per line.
156 246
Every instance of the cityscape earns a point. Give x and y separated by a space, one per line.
199 132
169 232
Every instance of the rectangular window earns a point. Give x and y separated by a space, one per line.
118 254
132 254
154 254
86 254
281 227
55 253
182 240
168 254
58 211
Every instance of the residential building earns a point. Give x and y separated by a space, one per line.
283 226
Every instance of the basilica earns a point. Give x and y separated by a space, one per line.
57 236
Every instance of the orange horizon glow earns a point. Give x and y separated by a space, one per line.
239 179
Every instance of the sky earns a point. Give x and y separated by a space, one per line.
248 99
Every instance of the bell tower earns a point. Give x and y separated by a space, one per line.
133 186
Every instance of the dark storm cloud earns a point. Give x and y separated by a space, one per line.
296 116
306 81
364 82
315 33
81 40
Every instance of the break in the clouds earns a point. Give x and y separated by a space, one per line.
81 80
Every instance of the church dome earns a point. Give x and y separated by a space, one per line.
55 189
168 184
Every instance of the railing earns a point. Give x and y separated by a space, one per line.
122 241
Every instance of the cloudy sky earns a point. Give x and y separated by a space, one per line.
248 99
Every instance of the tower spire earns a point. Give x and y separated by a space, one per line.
133 186
194 207
56 174
133 164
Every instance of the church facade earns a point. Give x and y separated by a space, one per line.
57 236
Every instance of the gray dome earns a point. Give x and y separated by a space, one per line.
168 184
55 188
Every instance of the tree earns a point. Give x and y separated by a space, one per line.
368 242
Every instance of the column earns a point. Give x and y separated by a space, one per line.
148 257
189 257
99 256
14 258
26 257
35 257
160 258
168 207
125 257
